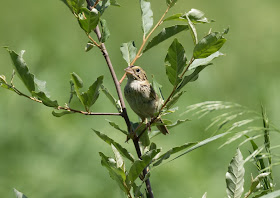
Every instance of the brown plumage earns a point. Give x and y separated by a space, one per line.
141 96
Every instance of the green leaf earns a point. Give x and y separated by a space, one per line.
174 99
144 139
147 16
89 46
4 84
113 124
110 141
170 3
204 195
114 3
165 34
235 176
274 194
74 5
192 30
46 100
93 91
174 150
88 19
112 99
118 157
202 143
128 51
116 173
19 194
77 80
157 87
208 45
175 61
139 165
197 16
61 113
22 70
255 182
105 33
190 78
205 61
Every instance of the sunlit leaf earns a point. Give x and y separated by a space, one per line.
88 19
208 45
147 16
139 165
165 34
204 61
235 176
89 46
105 33
197 16
204 195
175 61
255 181
118 157
110 141
177 16
128 51
3 83
192 30
19 194
174 150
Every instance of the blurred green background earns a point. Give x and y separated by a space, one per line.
44 156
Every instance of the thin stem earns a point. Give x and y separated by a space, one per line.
94 42
145 39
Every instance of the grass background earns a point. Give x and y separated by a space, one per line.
44 156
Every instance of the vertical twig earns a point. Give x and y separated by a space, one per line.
124 112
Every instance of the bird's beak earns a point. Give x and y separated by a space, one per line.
129 70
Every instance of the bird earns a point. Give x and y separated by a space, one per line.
142 97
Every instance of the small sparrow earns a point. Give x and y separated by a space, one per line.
141 96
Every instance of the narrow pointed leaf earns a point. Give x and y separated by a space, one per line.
190 78
177 16
139 165
114 3
19 194
175 61
202 143
110 141
174 150
205 195
88 19
165 34
192 30
170 3
22 70
112 99
105 33
147 16
113 124
128 51
235 176
116 173
208 45
174 99
78 83
4 84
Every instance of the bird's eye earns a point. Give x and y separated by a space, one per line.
137 70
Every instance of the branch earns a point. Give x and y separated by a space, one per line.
145 39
